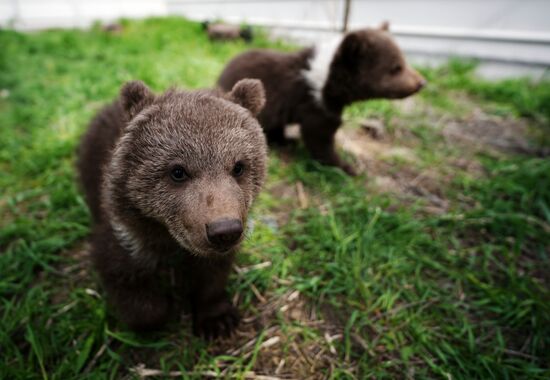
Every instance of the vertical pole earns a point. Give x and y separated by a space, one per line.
16 15
347 6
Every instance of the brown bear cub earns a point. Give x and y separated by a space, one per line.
311 87
169 180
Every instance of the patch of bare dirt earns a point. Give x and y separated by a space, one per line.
290 196
390 161
359 143
479 131
473 129
392 168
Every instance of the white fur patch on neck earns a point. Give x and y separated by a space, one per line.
127 239
319 66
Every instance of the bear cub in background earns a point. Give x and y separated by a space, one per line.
169 180
311 87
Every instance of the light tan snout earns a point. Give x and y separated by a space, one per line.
419 82
224 214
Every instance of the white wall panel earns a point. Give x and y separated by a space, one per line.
531 15
505 33
323 13
39 14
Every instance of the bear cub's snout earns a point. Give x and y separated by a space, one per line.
169 180
224 232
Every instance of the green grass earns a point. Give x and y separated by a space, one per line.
519 96
461 294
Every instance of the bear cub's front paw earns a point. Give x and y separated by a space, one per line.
348 169
216 320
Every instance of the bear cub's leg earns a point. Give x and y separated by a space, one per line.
276 136
319 141
141 306
213 313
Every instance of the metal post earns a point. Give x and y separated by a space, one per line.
347 6
16 15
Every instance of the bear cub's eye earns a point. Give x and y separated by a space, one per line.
238 169
178 174
395 69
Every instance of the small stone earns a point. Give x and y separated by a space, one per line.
375 128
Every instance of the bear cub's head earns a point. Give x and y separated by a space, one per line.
371 65
192 161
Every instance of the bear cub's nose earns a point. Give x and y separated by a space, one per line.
423 82
224 232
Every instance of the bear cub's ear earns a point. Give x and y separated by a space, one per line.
248 93
351 48
385 26
135 96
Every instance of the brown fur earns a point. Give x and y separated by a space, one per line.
150 229
367 64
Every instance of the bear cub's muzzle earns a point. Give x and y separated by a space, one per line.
224 233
